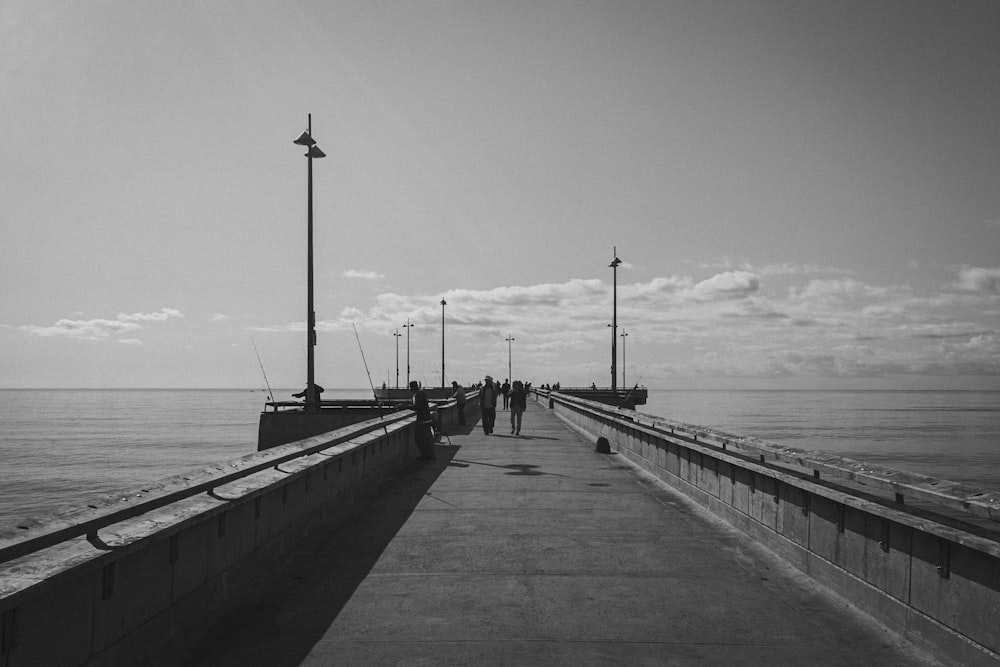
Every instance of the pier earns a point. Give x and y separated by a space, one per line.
680 546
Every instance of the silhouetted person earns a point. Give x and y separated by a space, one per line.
488 404
317 390
518 404
459 395
423 434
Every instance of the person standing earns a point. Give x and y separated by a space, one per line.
488 404
505 390
423 434
458 393
518 404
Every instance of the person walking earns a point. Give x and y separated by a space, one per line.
488 404
505 390
518 404
458 393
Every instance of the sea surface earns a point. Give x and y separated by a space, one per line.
60 448
952 435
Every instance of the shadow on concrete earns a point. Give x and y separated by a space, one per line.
300 595
515 468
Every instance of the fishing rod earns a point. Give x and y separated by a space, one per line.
374 394
266 383
633 388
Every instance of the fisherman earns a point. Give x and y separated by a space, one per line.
458 393
423 433
317 390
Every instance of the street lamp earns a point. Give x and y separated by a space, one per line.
623 335
397 335
509 340
407 326
312 396
614 324
443 304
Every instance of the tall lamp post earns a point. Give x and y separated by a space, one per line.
623 335
407 326
510 373
312 396
443 304
397 335
614 324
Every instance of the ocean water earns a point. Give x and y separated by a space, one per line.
953 435
61 448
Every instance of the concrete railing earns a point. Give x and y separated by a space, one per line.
106 585
920 555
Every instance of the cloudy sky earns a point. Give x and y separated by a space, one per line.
803 194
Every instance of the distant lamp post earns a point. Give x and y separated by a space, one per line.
443 304
510 373
397 336
614 324
624 334
312 396
407 326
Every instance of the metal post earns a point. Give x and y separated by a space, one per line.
396 336
312 397
510 372
443 304
624 334
407 326
614 324
311 402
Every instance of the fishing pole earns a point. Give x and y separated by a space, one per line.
365 361
266 383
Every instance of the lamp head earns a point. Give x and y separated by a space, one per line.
305 140
314 151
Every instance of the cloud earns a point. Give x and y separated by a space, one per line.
364 275
162 316
218 317
734 324
130 341
96 329
100 329
776 269
980 280
728 285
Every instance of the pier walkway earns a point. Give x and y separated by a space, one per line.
536 550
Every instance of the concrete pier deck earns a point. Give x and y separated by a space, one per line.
536 550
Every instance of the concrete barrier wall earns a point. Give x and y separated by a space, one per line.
114 597
932 579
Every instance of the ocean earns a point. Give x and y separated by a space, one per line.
63 447
952 435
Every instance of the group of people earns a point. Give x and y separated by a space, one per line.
515 399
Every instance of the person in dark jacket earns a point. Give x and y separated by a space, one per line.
458 393
518 404
488 404
423 433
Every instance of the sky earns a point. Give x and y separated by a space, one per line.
803 195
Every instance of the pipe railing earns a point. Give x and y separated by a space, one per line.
902 485
153 496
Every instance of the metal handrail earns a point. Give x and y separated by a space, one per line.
953 495
52 533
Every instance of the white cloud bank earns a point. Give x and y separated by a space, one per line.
102 329
738 324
